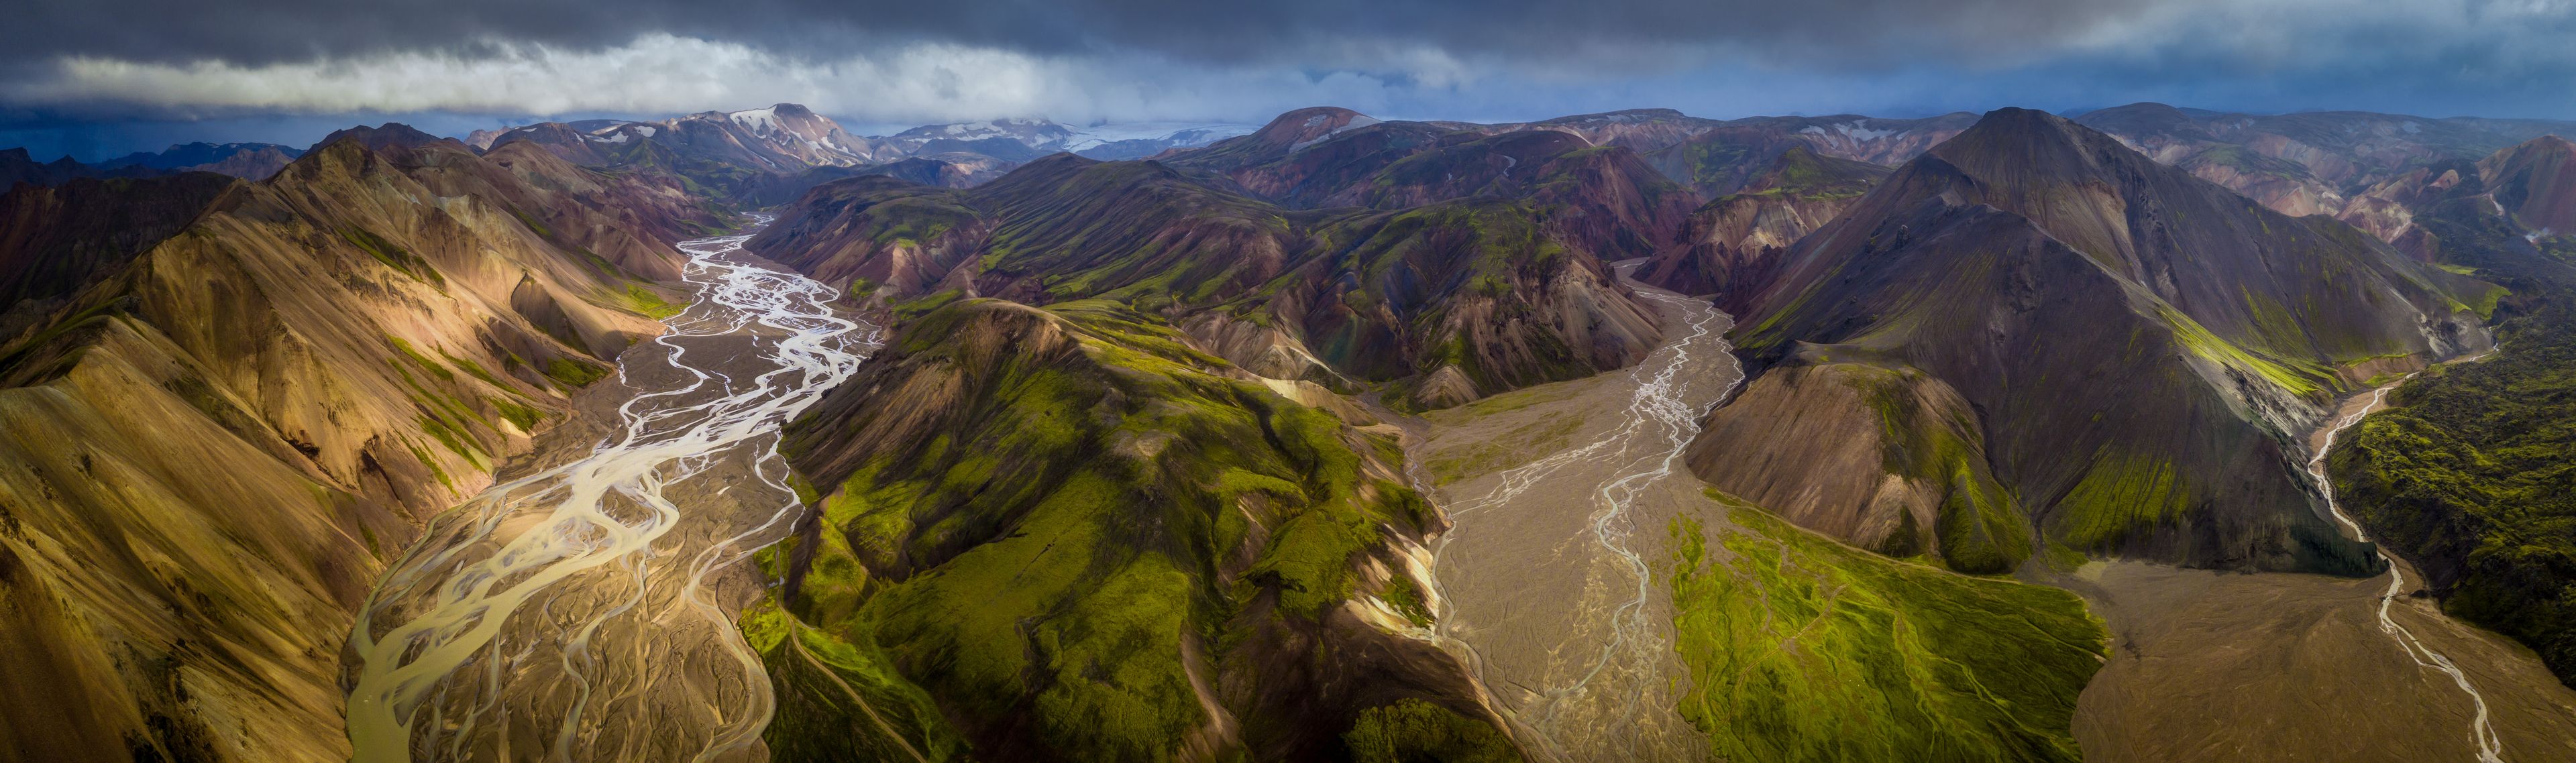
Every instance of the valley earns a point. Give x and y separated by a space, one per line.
2137 434
583 609
2329 668
1547 577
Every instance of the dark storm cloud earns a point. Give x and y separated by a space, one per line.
180 31
172 63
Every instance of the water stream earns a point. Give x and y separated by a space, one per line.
2481 732
573 614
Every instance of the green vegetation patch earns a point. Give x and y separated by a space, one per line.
1803 649
1415 731
572 372
394 256
1047 552
650 303
2468 476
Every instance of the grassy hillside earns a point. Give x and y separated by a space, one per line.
1061 534
1803 649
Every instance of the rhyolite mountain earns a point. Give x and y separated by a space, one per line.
245 398
2308 162
2462 473
2034 326
1455 298
1733 243
1064 533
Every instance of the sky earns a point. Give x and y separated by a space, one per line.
98 78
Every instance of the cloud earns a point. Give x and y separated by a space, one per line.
1086 60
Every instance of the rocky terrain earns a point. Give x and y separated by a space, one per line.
266 387
2028 295
1460 296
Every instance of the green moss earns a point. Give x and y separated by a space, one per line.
2118 494
394 256
1048 551
571 372
2299 376
1415 731
650 303
2467 477
422 361
1406 597
1802 649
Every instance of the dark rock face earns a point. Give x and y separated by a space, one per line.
2136 343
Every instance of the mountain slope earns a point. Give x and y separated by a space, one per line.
266 403
249 161
1063 534
1735 241
2132 342
1452 300
2536 181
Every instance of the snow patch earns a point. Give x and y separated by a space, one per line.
760 121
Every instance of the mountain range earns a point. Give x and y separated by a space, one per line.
1146 469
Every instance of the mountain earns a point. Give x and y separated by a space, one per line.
57 241
2309 162
17 167
1065 534
2536 182
221 436
1454 299
1609 200
1734 241
2034 326
249 161
1724 157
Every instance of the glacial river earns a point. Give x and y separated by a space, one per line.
2481 730
581 612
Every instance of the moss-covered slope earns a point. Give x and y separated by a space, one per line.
1802 649
2466 475
1063 534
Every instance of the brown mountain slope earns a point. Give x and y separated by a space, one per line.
2132 343
2536 181
1456 299
1735 241
258 411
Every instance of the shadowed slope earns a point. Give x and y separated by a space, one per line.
2134 341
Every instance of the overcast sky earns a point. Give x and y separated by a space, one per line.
97 78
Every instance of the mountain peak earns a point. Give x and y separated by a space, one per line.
1304 127
388 136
